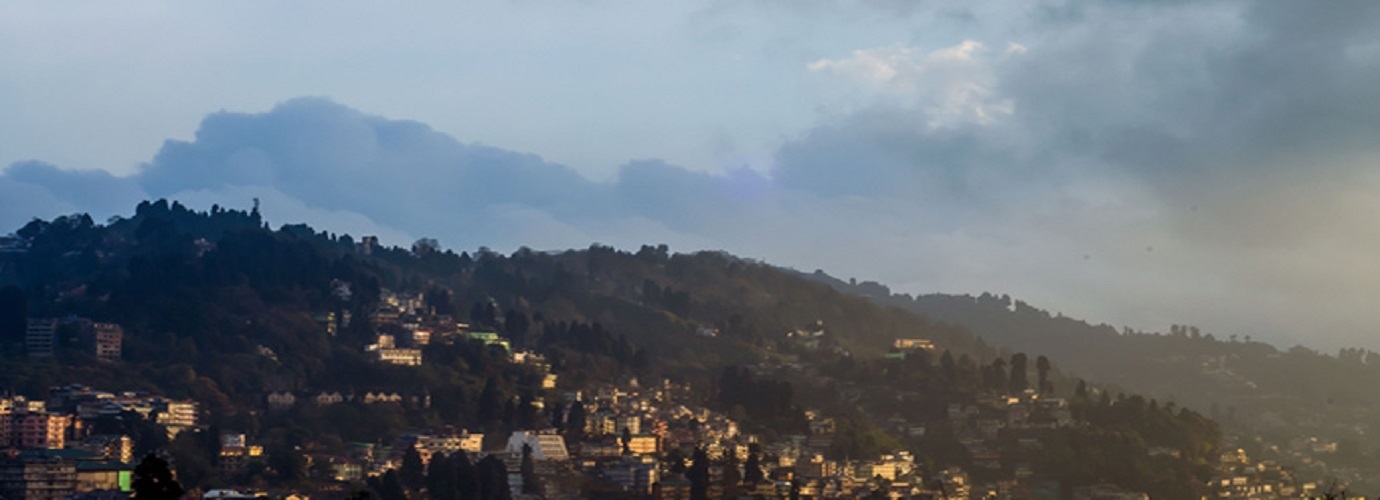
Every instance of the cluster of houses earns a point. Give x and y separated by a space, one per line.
1240 477
48 448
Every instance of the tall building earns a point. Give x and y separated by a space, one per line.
38 338
109 339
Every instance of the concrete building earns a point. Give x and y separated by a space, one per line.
545 445
175 416
109 341
39 430
37 477
38 337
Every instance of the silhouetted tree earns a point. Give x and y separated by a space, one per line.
411 472
153 480
575 422
698 474
1042 372
752 469
493 479
1019 381
529 471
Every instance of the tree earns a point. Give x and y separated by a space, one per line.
411 472
389 487
752 469
575 422
493 479
1042 372
490 402
529 471
698 474
1019 382
949 367
466 476
731 476
441 479
13 311
153 480
426 246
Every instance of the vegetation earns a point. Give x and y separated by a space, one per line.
218 308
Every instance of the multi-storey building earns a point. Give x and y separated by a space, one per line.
39 430
38 337
109 339
29 477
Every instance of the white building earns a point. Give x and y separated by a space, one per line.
546 445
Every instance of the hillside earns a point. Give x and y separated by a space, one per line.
1309 408
219 309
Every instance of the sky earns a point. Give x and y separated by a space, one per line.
1136 163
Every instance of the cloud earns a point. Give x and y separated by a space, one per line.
1140 163
951 85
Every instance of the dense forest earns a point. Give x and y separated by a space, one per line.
220 308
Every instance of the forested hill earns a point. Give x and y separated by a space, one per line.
219 308
1286 396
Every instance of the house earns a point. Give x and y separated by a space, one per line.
281 400
328 398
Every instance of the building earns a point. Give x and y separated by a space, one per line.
109 339
175 416
643 444
546 445
37 477
637 475
400 356
910 344
39 430
281 400
464 441
38 337
489 338
94 476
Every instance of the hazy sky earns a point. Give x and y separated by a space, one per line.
1139 163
